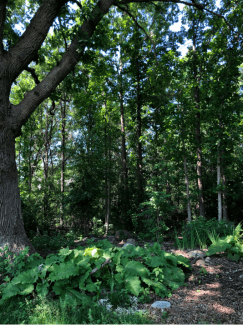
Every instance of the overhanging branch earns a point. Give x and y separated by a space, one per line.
197 5
34 75
26 48
33 98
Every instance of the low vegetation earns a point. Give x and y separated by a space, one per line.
65 287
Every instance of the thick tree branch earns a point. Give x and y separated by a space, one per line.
22 111
34 75
26 48
3 4
197 5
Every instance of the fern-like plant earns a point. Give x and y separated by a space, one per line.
232 245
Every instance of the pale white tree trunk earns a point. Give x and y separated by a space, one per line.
219 191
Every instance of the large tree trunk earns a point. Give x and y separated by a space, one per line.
12 117
12 232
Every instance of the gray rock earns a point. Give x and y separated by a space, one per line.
131 241
161 304
125 245
207 260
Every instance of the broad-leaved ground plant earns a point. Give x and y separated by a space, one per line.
101 267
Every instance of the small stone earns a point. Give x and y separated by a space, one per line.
161 304
200 263
196 253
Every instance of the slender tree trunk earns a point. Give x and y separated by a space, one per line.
225 207
218 183
125 197
45 163
189 214
139 133
63 131
198 135
30 167
167 185
107 176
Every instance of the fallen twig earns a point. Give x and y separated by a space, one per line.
107 261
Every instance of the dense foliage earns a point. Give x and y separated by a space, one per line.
122 132
80 271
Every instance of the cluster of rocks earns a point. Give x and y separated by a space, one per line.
157 304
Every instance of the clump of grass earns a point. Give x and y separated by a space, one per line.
199 232
22 310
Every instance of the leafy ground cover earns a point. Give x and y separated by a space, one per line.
71 274
65 286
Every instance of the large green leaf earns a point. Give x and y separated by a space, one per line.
154 261
132 284
29 276
64 270
42 289
136 268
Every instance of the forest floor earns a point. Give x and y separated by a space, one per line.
211 298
